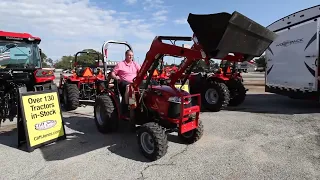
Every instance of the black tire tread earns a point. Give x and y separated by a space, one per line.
72 97
224 96
160 137
239 99
111 122
196 136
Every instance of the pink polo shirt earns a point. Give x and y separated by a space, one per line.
126 71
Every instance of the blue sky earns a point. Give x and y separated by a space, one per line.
68 26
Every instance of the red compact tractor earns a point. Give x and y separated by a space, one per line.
160 108
80 87
221 87
20 71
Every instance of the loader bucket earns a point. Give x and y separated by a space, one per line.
223 33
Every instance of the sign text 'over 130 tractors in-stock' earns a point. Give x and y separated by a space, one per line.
20 71
80 87
160 108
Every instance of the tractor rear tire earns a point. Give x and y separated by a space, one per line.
105 114
219 89
240 95
152 141
70 96
193 135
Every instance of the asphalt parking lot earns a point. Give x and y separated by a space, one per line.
267 137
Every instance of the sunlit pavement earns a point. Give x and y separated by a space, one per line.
267 137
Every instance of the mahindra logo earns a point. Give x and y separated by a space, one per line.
290 42
45 125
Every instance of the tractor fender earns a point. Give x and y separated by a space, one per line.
64 77
69 81
218 79
73 79
101 78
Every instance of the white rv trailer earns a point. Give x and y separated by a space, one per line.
293 58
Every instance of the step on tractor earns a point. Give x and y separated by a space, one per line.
220 87
20 71
156 109
80 87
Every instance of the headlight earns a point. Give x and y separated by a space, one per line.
174 99
177 100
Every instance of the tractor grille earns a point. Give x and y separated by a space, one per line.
174 109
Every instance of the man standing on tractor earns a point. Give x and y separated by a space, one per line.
125 71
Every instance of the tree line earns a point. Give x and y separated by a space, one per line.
87 57
67 62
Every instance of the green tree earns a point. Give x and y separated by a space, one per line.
45 65
44 60
84 59
49 60
90 58
64 62
43 56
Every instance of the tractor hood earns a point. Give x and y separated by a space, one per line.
223 33
169 90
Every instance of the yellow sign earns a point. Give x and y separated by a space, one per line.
43 118
184 87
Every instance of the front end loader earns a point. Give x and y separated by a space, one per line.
224 88
157 109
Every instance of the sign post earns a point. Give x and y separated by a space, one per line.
40 118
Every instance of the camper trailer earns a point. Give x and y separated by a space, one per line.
293 58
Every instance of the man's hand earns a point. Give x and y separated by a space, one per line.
115 76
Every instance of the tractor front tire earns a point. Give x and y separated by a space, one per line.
152 140
70 96
239 94
105 114
193 135
215 96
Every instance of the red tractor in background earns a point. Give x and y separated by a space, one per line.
20 71
80 87
158 108
220 87
169 70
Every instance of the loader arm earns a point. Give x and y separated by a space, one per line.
158 49
215 36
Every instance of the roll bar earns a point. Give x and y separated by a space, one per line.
84 52
106 45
